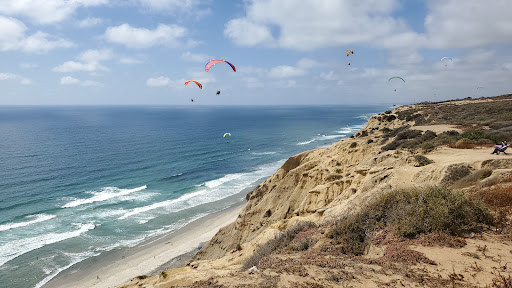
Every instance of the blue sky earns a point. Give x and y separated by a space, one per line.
140 52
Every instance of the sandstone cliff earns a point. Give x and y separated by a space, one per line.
325 184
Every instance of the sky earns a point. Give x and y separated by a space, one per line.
286 52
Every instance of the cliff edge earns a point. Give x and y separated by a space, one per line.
411 147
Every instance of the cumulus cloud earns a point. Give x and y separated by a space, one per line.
160 81
89 61
311 24
68 80
479 23
89 22
285 71
319 24
193 57
13 37
11 76
170 5
140 38
247 33
45 12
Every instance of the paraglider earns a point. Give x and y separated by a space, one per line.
446 59
396 78
195 81
216 61
191 99
218 92
349 51
226 134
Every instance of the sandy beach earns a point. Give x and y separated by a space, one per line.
120 266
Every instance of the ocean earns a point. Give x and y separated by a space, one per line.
79 181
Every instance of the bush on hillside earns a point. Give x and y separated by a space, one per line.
281 241
411 213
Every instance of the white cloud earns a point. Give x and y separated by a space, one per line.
11 76
47 11
313 24
192 57
89 61
285 71
139 38
13 37
170 5
93 55
322 23
68 80
202 76
472 23
158 81
89 22
247 33
331 76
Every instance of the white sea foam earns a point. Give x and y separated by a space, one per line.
264 153
32 219
306 142
322 137
13 249
105 194
211 191
75 258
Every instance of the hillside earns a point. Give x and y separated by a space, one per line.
413 199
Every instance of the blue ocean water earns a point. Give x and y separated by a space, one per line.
79 181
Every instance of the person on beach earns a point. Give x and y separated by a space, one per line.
501 148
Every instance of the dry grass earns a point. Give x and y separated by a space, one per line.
498 198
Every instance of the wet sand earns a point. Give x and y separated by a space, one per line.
119 266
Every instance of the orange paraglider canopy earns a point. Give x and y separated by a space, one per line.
195 81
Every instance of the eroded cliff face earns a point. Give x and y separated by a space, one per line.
317 185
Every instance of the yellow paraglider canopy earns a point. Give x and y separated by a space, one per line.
225 134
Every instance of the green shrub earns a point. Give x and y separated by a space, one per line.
428 146
281 241
411 213
428 135
455 172
421 160
408 134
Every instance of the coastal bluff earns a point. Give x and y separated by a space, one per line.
445 144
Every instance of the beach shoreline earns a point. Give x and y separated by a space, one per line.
148 258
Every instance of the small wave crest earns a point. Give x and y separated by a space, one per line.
105 194
322 137
13 249
350 129
207 192
32 219
264 153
